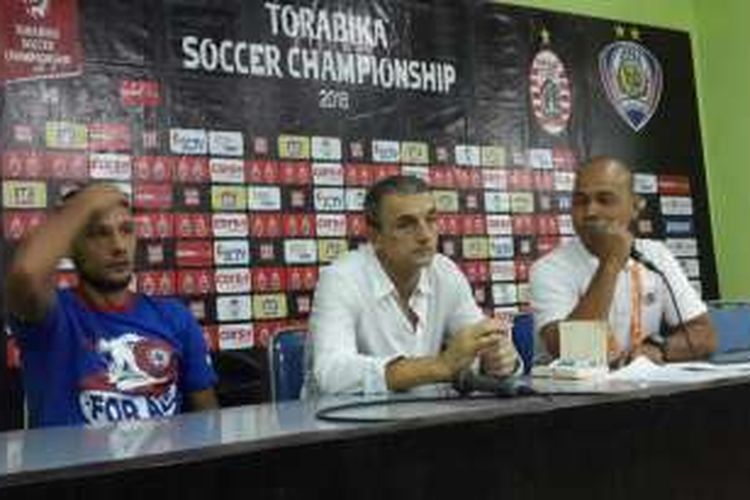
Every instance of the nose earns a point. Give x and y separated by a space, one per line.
425 230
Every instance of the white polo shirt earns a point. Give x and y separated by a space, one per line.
559 280
357 325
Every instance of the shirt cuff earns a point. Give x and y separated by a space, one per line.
373 380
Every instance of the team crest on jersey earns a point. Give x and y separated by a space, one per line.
632 79
550 92
139 381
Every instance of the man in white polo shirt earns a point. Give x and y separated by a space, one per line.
595 277
393 314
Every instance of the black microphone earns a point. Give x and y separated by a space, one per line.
636 255
467 381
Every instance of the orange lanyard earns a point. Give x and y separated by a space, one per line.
636 320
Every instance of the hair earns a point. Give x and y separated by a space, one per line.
611 161
396 184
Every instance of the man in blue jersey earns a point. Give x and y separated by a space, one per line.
100 353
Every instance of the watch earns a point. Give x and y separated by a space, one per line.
659 342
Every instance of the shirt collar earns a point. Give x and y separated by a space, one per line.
591 259
383 285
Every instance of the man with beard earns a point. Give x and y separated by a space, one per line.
100 353
595 277
393 314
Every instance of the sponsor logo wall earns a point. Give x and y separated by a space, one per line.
247 147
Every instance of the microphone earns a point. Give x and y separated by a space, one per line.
636 255
467 381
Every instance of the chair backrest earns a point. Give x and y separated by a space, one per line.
731 321
286 362
523 338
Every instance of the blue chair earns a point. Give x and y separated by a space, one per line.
286 362
731 320
523 338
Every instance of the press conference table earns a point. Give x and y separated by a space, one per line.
689 441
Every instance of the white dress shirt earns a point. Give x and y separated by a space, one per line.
358 326
559 280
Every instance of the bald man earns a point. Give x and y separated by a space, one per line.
595 278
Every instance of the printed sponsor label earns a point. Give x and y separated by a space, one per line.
298 225
195 282
386 151
109 137
294 147
269 279
645 183
140 93
153 168
547 224
329 199
499 225
194 253
233 308
264 198
326 148
65 135
441 177
192 169
110 166
23 165
475 247
229 198
522 203
682 247
564 181
302 278
270 306
265 172
235 336
502 270
229 170
295 173
155 254
540 158
23 134
494 179
231 252
678 226
300 251
385 170
17 225
691 267
493 156
524 293
355 199
421 171
357 174
225 143
156 283
356 226
232 280
522 269
153 196
676 205
543 181
188 141
446 201
675 185
230 225
72 166
330 225
327 174
190 225
154 225
24 194
520 180
467 155
495 201
330 250
415 152
504 293
266 225
501 247
473 224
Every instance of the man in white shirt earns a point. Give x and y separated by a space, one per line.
393 314
595 277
